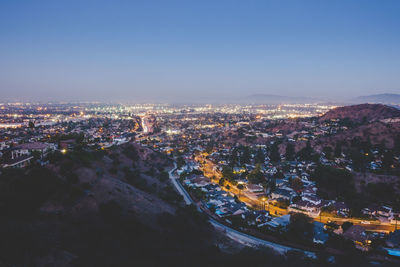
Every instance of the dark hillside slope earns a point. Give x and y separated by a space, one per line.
362 113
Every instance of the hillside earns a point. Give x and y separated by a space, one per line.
96 208
361 113
123 175
110 208
378 133
375 125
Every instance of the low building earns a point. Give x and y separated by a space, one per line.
29 148
282 193
255 188
279 222
385 214
306 207
356 233
341 209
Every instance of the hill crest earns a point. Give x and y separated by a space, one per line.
362 112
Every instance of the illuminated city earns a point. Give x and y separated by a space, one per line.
199 133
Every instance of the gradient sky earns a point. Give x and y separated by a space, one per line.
185 50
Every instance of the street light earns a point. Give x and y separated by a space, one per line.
263 201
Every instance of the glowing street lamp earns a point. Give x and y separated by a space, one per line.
263 199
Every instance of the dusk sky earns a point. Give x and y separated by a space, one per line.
183 50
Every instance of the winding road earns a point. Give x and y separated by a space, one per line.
240 237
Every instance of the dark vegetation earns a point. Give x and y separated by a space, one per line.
334 183
338 184
114 237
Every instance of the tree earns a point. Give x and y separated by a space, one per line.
274 153
282 203
180 161
227 173
260 156
297 184
328 152
290 153
338 150
279 175
170 195
380 192
131 153
358 160
245 155
388 160
306 152
240 132
31 124
240 187
209 148
272 185
300 226
346 226
163 176
256 176
396 147
334 183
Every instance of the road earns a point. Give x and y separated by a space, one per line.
252 241
240 237
188 200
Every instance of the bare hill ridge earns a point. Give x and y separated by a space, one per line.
362 112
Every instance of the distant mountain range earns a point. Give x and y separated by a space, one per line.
393 99
379 98
261 98
276 99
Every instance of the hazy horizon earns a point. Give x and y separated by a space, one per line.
208 51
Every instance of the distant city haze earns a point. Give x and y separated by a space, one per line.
198 51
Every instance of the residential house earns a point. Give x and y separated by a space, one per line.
279 222
342 209
385 214
255 188
356 233
29 148
282 193
303 206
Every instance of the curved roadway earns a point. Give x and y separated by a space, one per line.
240 237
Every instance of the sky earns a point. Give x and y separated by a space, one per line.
155 51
